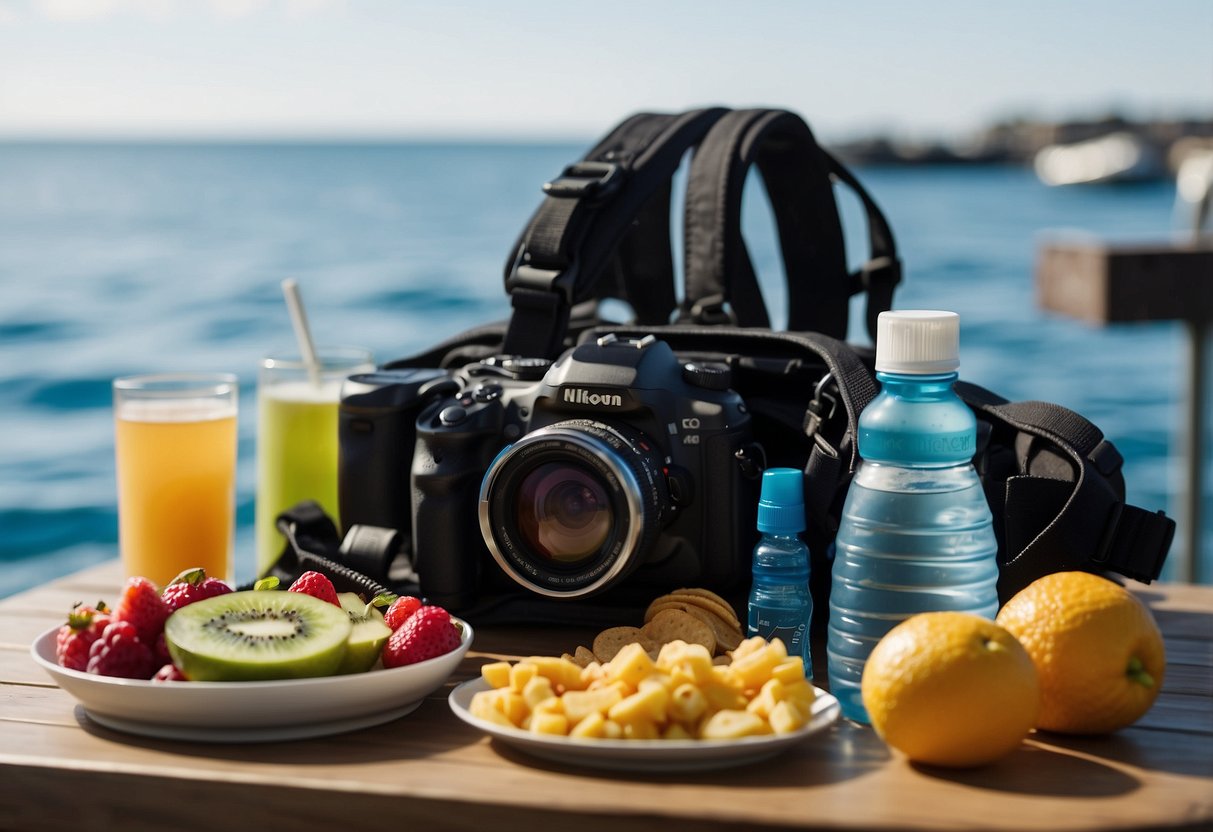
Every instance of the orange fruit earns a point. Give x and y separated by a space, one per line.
1096 647
950 689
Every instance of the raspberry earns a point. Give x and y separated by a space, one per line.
400 610
190 586
84 626
169 673
427 633
119 652
142 606
317 586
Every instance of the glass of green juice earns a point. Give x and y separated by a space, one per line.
297 437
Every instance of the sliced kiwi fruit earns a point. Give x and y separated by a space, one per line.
254 635
367 636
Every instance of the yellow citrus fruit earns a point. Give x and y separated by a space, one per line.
1096 647
950 689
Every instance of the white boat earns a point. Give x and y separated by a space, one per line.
1116 157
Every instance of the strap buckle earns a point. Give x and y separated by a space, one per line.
711 311
585 180
878 273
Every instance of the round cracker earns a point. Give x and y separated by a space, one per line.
677 625
612 640
727 636
724 611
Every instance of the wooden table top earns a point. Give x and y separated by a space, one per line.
429 771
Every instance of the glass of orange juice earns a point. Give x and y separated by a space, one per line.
175 441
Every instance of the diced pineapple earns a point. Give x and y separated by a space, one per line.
537 690
579 704
593 725
730 725
544 723
520 674
631 664
496 674
786 717
772 693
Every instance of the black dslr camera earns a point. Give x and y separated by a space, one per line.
618 467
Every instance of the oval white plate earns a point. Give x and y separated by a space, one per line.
252 711
644 755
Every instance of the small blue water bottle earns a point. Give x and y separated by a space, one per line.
916 532
780 605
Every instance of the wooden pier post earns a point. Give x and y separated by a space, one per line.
1104 284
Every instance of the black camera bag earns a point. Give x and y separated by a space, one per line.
603 231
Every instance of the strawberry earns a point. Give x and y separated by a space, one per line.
400 610
84 626
317 586
190 586
427 633
169 673
142 606
119 652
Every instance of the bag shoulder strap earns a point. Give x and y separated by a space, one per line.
588 210
798 175
1075 519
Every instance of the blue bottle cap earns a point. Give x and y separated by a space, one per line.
781 506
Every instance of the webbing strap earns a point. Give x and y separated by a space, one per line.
1082 523
798 177
589 209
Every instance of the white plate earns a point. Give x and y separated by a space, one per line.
644 755
284 709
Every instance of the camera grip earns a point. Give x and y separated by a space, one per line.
447 547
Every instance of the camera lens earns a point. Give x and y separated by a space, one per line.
570 509
564 514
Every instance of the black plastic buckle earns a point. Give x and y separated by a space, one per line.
525 276
585 180
711 311
882 273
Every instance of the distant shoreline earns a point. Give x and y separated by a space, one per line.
1018 141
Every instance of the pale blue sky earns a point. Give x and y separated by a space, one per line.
317 68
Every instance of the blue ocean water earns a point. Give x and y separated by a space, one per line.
124 258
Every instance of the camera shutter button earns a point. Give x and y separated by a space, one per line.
452 415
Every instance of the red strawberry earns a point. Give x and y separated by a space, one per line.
427 633
142 606
169 673
119 652
190 586
400 610
84 626
317 586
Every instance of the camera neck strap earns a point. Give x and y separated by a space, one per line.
799 176
621 185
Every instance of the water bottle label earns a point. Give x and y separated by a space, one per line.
792 637
919 446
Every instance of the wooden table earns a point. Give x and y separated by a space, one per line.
429 771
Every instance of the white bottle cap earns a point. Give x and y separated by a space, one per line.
918 341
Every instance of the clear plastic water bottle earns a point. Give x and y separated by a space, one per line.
780 605
916 532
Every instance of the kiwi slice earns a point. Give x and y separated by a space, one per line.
367 636
252 635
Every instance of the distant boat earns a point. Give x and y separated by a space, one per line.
1116 157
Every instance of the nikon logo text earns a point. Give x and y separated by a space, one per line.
579 395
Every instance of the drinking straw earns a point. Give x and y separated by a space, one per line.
307 347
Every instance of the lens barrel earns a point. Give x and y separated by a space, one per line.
571 508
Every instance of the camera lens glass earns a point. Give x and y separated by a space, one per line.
564 512
571 508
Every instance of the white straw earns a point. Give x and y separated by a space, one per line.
307 348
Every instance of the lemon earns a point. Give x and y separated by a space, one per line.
1096 647
950 689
